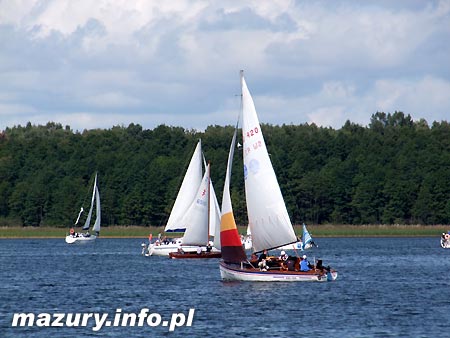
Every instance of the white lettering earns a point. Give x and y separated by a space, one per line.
190 317
154 319
142 315
178 319
21 319
71 321
99 321
44 319
86 317
58 319
117 317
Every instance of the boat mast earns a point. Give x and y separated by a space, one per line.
209 201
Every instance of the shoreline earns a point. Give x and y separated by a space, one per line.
317 231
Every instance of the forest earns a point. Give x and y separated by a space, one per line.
393 171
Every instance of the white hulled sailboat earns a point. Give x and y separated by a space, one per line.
79 238
268 218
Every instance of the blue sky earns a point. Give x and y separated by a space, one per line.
98 64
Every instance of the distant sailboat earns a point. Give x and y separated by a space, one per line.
269 221
75 237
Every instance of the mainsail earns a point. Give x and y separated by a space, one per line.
96 226
269 221
89 216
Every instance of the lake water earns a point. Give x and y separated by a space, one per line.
387 287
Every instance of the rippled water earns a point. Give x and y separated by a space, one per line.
387 287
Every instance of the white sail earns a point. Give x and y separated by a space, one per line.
214 216
96 226
196 217
187 192
88 219
269 221
227 207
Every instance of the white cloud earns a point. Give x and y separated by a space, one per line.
112 99
177 62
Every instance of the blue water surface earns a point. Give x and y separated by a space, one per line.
387 287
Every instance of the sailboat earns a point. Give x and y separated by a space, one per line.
198 224
306 242
182 211
268 218
445 240
74 237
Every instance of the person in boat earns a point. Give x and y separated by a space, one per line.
263 265
283 256
320 266
263 256
87 234
208 248
199 250
304 264
282 259
180 250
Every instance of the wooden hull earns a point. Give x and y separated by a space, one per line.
230 272
192 255
80 240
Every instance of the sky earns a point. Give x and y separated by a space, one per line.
104 63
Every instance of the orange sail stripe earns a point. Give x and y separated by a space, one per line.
227 222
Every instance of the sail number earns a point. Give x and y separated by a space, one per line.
255 145
252 132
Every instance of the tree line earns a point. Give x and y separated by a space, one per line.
393 171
